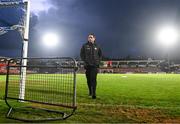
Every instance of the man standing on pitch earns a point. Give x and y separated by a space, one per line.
91 55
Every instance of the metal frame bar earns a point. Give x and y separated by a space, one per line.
62 114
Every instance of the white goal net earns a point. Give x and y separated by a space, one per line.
15 15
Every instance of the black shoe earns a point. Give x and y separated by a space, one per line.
93 97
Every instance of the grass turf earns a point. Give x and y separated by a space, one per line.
123 98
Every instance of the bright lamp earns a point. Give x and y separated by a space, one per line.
50 39
168 36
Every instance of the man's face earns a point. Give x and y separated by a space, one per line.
91 38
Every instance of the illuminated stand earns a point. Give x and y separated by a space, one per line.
23 28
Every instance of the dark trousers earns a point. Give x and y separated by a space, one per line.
91 75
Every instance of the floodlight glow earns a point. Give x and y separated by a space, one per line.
168 36
50 39
38 6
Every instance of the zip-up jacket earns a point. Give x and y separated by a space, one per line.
91 54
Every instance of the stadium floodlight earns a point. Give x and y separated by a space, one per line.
50 39
168 36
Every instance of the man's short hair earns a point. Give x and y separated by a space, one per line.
92 35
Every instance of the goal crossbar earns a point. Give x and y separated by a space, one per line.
10 4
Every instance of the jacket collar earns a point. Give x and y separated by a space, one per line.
91 43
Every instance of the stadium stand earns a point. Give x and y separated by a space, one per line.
3 65
131 66
134 66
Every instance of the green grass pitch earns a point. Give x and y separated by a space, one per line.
123 98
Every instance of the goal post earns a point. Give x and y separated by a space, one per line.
25 50
23 28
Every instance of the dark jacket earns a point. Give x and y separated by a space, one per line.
91 54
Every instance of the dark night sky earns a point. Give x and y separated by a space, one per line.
122 27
